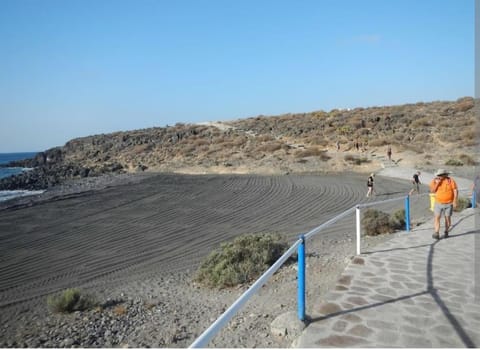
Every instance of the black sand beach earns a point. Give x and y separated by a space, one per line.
159 227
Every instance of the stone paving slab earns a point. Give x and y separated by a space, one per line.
411 291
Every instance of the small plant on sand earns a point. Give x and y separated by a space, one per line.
71 300
355 160
397 220
462 203
376 222
241 260
454 162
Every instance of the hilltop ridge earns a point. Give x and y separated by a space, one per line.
420 135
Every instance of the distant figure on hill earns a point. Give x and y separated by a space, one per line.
446 197
415 184
338 145
370 182
389 153
357 145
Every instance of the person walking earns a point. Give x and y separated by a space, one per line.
415 184
446 199
389 153
370 181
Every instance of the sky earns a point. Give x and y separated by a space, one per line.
73 68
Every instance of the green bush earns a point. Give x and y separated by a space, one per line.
71 300
454 162
242 260
355 160
376 222
462 203
397 221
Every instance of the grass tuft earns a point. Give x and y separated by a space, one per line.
71 300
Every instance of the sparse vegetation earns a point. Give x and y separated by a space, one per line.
240 261
71 300
453 162
355 160
376 222
462 203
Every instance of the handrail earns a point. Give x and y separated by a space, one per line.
211 331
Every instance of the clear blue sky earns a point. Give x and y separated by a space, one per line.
73 68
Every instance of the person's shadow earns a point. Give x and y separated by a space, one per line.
467 341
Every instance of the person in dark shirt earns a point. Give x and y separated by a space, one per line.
415 183
370 182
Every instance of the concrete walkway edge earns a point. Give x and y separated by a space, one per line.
412 291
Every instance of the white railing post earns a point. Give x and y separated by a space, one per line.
358 228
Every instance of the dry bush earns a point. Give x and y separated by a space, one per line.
468 135
317 141
120 310
309 152
355 160
378 142
465 104
201 142
270 147
422 122
423 137
467 159
265 138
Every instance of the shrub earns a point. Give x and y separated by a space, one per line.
376 222
453 162
241 260
462 203
467 160
71 300
311 152
397 221
355 160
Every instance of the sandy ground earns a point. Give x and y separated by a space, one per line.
142 238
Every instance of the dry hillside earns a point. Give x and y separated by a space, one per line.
420 135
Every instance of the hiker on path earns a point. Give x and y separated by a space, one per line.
446 199
389 153
415 184
370 182
476 189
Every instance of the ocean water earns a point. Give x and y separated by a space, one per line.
8 157
5 172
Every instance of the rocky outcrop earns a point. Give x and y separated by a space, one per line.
281 144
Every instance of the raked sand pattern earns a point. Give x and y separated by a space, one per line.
159 229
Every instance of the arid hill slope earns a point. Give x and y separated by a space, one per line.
435 133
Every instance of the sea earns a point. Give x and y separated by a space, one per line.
5 172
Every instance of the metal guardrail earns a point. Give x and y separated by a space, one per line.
211 331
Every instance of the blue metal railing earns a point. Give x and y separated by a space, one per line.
208 334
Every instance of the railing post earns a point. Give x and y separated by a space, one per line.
474 198
407 213
301 279
359 233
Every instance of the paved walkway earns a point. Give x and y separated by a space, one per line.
411 291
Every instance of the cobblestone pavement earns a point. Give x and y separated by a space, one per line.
411 291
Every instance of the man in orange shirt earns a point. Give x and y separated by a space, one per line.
446 196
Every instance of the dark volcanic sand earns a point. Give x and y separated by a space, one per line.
158 228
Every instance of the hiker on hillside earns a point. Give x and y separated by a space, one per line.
446 199
389 153
370 182
415 184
